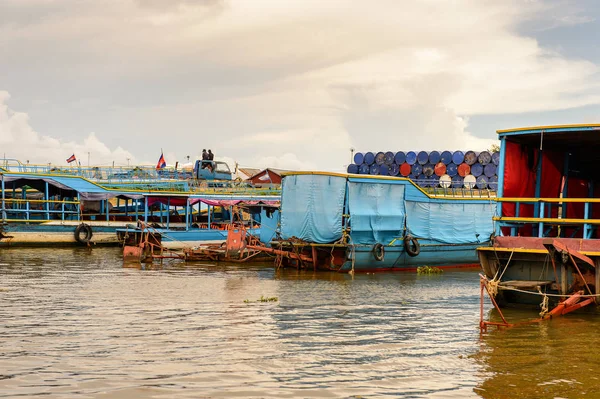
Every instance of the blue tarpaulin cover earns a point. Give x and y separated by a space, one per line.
268 225
312 207
376 212
450 223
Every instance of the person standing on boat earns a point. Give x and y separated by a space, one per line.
210 156
204 158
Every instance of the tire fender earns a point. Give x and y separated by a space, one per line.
412 246
83 233
378 252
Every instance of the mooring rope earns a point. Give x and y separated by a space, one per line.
506 288
544 304
494 283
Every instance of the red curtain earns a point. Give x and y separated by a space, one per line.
519 181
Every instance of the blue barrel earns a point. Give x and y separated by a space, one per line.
457 181
416 169
399 158
434 180
471 158
496 158
422 157
388 158
489 170
380 158
493 182
384 170
413 177
428 169
394 169
446 157
482 182
434 157
364 169
359 158
422 180
374 169
369 158
451 169
353 168
411 157
458 157
477 169
484 157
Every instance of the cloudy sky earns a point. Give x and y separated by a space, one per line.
290 84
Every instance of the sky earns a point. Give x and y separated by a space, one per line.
292 84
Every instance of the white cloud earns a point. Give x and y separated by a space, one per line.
290 84
20 141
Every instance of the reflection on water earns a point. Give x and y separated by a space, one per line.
552 359
77 323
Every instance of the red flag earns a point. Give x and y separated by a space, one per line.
161 162
71 159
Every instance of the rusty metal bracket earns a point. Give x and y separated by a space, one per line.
551 243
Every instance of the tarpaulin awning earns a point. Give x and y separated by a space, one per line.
72 184
312 207
182 201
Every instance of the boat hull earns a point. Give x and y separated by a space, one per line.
180 239
397 259
523 268
56 233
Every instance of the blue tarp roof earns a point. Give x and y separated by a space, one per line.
85 188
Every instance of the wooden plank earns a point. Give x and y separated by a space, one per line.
522 284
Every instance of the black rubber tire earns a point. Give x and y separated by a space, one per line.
83 233
378 252
412 246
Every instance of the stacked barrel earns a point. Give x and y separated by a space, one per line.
446 169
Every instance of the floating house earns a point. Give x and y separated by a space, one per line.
267 178
547 247
345 222
44 205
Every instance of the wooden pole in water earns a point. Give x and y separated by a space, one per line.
482 325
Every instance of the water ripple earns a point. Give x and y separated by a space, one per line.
76 323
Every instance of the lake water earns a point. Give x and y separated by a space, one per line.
77 323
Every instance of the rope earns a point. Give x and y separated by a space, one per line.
544 305
496 278
546 294
353 256
154 230
493 284
493 287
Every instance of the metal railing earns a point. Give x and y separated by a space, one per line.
434 189
41 210
542 219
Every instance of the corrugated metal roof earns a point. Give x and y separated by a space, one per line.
276 171
249 171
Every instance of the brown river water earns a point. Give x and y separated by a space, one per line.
78 324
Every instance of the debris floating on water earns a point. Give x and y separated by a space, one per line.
429 270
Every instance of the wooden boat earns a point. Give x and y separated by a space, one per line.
46 206
210 223
348 222
547 248
240 246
